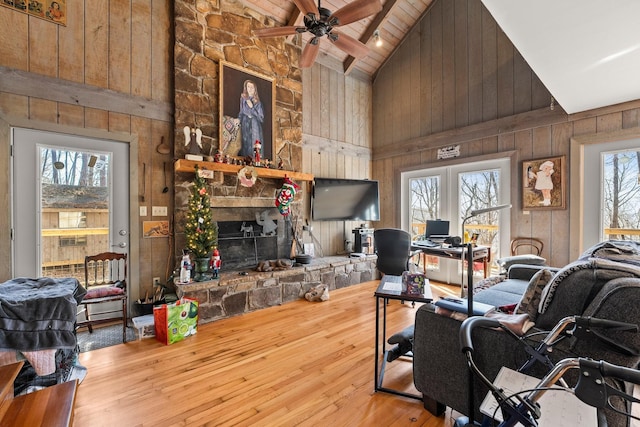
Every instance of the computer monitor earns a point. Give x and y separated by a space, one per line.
436 227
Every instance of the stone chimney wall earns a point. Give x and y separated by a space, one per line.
210 31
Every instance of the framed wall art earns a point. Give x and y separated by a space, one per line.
543 183
151 229
247 106
54 11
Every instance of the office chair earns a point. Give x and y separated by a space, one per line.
394 256
106 281
393 247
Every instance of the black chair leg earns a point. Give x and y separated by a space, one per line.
124 321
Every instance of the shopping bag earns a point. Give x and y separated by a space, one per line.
176 321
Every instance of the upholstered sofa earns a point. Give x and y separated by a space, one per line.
507 290
603 283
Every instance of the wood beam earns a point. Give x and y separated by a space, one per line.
73 93
517 122
375 23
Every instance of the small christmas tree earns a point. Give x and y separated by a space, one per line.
200 230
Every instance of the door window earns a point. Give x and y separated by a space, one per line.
75 209
609 206
620 198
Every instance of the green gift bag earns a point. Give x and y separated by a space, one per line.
176 321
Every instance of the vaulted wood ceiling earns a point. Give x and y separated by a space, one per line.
393 22
585 55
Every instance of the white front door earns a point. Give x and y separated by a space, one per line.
70 197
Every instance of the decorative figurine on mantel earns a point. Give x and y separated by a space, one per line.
218 157
257 148
193 140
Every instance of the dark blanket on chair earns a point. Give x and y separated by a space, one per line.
39 314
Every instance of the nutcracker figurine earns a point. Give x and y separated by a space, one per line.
215 262
257 148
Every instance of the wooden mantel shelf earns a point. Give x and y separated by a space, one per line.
183 165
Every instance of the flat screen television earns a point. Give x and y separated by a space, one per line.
337 199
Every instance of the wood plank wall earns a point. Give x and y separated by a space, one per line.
336 140
109 71
457 79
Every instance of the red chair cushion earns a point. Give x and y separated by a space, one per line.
104 291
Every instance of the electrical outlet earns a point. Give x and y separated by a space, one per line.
156 281
159 210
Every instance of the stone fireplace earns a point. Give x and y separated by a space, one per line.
206 33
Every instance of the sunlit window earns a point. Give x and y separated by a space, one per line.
72 220
621 195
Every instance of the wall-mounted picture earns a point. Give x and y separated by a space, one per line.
152 229
247 106
543 183
54 11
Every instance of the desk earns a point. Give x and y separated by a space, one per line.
482 253
382 294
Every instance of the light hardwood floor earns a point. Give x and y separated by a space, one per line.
300 363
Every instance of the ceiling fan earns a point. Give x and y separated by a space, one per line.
320 22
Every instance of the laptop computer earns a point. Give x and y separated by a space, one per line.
437 230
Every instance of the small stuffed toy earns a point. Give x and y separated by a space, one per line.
285 196
317 293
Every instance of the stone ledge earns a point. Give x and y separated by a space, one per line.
243 291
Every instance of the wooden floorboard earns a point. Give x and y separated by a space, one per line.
300 363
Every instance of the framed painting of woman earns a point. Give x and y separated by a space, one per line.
247 105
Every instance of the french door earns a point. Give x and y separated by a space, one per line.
70 198
451 193
613 201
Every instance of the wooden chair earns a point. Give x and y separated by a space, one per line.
106 281
526 245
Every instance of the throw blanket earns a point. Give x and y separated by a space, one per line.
615 250
39 314
43 361
608 259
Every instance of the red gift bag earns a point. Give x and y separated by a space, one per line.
176 321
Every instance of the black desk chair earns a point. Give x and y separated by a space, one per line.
393 247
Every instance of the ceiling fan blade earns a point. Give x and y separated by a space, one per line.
348 44
307 7
310 53
355 11
278 31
